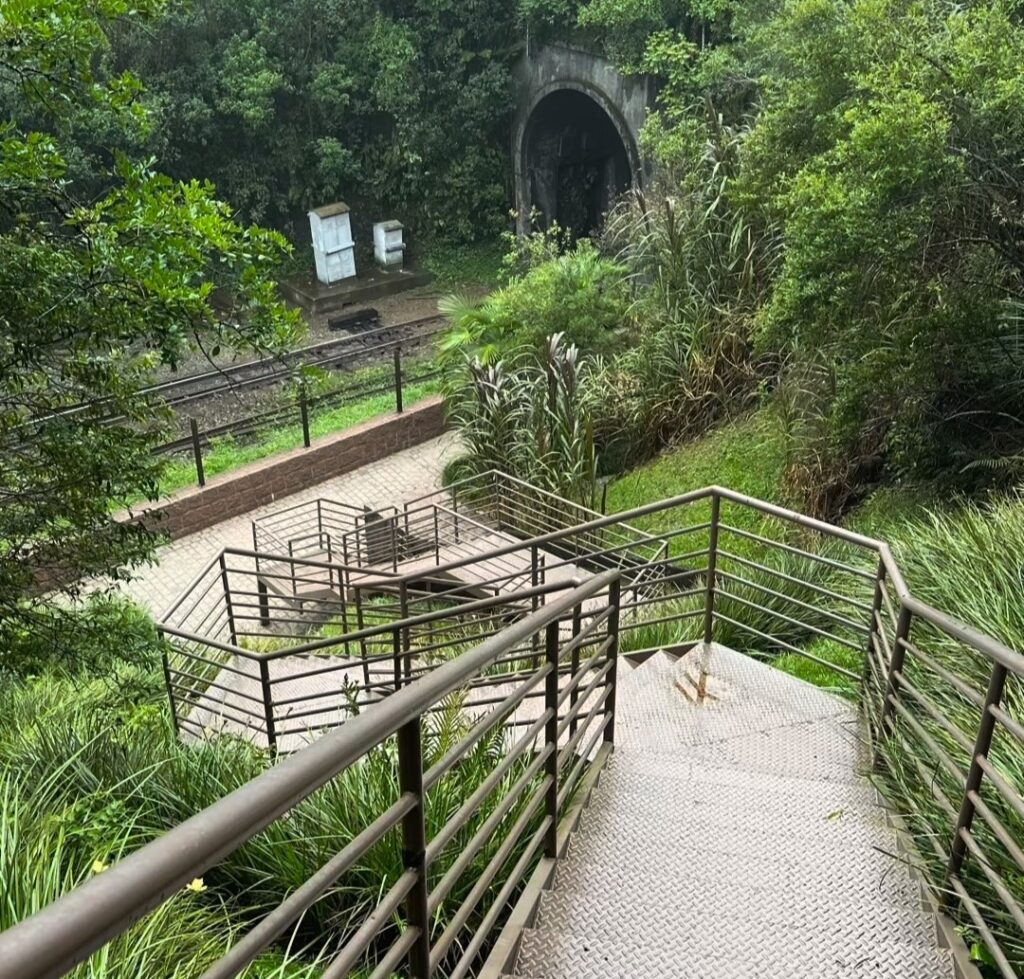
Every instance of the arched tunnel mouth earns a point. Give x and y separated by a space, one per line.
575 162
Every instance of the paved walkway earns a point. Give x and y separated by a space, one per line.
390 482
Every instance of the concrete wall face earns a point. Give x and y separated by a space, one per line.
558 68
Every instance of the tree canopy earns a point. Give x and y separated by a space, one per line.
108 271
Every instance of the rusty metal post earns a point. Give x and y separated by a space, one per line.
982 746
414 845
197 451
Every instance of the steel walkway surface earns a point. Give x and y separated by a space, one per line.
732 840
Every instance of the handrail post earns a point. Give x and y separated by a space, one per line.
876 609
982 745
403 612
304 414
167 679
577 622
535 600
899 654
268 706
197 451
398 379
551 739
437 539
414 844
455 512
614 596
709 603
396 655
227 601
393 522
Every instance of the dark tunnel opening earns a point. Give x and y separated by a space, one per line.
575 161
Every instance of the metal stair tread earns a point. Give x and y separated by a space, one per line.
739 859
714 905
687 954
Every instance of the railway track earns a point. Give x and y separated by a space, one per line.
355 349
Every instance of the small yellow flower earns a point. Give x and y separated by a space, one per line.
196 886
98 866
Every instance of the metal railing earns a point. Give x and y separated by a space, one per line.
944 703
545 754
794 585
301 409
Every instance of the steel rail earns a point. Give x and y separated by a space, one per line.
67 931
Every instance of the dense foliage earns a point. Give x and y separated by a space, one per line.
838 219
108 270
396 107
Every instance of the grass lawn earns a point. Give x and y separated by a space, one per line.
226 454
745 455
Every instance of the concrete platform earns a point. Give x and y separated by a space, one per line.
315 299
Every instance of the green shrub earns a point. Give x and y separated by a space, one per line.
580 295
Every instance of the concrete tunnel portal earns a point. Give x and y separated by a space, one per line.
576 159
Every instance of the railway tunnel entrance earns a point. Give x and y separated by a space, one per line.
576 161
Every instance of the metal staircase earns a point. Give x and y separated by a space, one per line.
661 805
735 840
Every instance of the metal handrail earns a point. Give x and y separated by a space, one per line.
70 929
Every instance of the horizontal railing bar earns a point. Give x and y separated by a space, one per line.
502 899
996 826
838 619
732 596
460 817
599 707
253 943
993 878
583 759
487 875
472 847
574 711
436 771
818 589
922 700
798 552
968 693
1008 793
842 671
376 630
628 624
387 966
356 946
1011 724
938 752
176 675
577 678
987 937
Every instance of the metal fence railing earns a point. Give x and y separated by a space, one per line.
943 702
301 410
414 927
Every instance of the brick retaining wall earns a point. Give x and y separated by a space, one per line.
263 482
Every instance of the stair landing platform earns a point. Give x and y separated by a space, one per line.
734 839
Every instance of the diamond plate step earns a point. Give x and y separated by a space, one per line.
714 905
734 840
680 952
